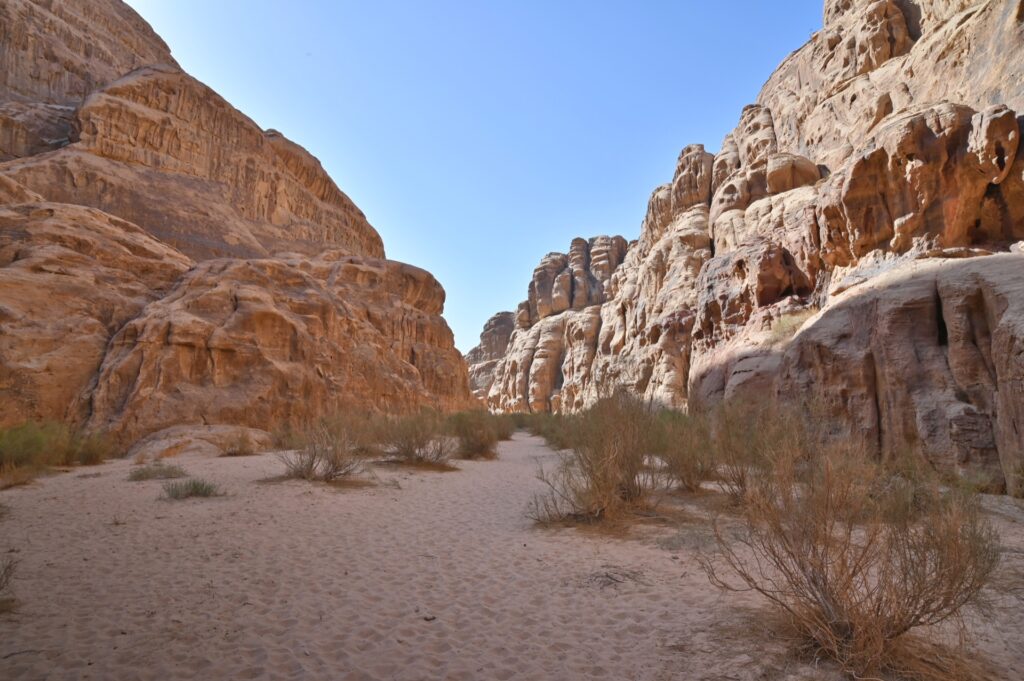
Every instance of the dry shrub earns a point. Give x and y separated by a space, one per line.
329 452
605 473
419 439
477 433
156 471
240 445
559 431
683 443
7 566
745 438
504 426
856 562
786 326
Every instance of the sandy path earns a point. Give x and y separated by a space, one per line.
440 576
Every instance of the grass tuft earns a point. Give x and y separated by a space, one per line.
156 471
193 487
7 567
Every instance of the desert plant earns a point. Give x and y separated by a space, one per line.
241 444
32 447
7 567
558 431
419 438
683 443
830 543
745 438
606 471
786 326
476 432
504 426
329 452
156 471
193 487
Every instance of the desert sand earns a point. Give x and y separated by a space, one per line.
424 575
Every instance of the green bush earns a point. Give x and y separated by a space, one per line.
477 433
193 487
34 446
418 438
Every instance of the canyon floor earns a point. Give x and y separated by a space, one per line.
422 575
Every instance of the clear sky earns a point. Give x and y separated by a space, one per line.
478 136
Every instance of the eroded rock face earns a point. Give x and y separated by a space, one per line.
847 246
280 341
70 277
484 357
162 150
925 357
573 280
124 183
60 51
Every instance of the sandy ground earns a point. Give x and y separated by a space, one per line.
424 576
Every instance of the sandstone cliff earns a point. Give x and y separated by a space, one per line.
852 244
164 261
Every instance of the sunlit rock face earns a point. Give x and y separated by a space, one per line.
854 244
164 261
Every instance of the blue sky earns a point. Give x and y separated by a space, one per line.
478 136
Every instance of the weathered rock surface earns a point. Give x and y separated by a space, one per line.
280 341
70 277
484 357
870 197
164 261
160 149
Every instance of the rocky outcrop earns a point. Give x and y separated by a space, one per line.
280 341
484 357
61 51
850 246
162 150
164 261
924 357
70 277
558 321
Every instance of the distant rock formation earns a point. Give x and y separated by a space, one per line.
484 357
164 261
854 244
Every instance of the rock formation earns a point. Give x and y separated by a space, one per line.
164 261
484 357
853 244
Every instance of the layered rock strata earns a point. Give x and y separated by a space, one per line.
853 244
164 261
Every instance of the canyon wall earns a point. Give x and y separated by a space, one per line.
854 244
164 261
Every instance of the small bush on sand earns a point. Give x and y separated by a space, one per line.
476 432
156 471
855 562
504 426
419 438
683 443
557 430
744 439
36 446
7 566
605 473
241 444
329 452
193 487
